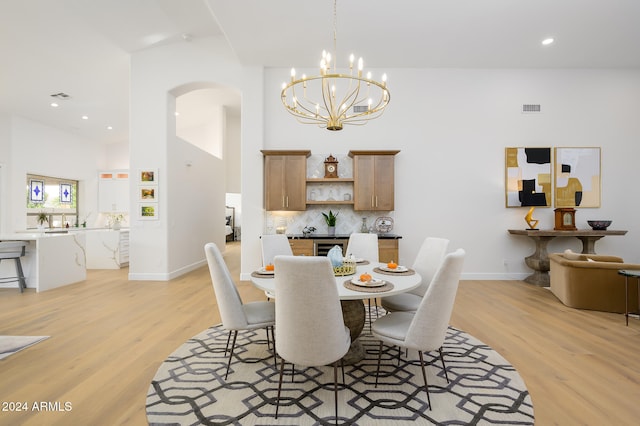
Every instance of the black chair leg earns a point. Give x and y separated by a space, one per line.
273 345
424 376
379 358
226 348
279 387
21 282
444 367
335 387
233 345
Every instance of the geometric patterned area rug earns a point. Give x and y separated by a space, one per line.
9 345
189 387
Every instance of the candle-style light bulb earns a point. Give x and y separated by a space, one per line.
293 74
384 80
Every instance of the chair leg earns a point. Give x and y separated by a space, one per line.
279 387
21 282
379 358
273 345
369 312
233 345
335 387
424 376
444 367
226 348
342 366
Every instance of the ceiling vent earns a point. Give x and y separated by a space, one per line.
61 95
531 109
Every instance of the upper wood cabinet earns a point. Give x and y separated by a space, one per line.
285 174
373 173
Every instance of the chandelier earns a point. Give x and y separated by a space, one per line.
333 99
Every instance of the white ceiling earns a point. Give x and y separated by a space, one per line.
83 47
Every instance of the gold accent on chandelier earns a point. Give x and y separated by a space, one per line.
345 98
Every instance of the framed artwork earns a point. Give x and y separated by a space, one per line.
148 176
36 191
528 177
147 211
577 177
148 193
65 193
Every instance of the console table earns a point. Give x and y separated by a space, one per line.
539 260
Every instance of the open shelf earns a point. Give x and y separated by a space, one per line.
327 202
328 180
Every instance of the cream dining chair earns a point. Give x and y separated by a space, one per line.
274 245
236 315
425 329
310 329
364 246
427 262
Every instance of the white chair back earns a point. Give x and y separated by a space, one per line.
430 322
229 301
274 245
364 246
310 329
428 261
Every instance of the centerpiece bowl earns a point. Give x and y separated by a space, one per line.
599 225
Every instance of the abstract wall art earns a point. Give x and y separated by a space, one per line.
528 177
577 177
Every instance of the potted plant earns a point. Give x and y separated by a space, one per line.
331 222
42 218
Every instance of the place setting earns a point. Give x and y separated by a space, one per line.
392 268
267 271
366 282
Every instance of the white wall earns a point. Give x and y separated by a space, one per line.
174 244
452 126
40 149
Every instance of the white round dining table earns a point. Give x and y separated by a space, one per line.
353 309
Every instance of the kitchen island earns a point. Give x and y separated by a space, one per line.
52 259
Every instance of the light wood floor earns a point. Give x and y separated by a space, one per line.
109 335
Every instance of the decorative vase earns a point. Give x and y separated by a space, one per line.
116 225
331 230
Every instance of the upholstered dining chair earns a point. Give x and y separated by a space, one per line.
427 262
365 246
425 329
310 329
236 315
272 246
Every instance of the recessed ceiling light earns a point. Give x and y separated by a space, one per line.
547 41
85 117
54 105
109 127
176 113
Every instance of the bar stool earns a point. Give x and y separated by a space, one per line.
14 250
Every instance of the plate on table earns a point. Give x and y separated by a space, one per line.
263 271
355 259
373 283
396 269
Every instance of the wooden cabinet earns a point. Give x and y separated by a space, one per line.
373 173
301 247
285 174
113 191
388 250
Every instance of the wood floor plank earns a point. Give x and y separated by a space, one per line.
109 336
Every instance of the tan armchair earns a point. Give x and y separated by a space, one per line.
591 281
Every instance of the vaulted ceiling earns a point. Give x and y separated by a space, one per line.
83 47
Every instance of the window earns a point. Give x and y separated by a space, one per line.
57 198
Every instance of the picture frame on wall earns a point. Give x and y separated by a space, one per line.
528 177
65 193
148 193
148 176
578 179
36 191
147 211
